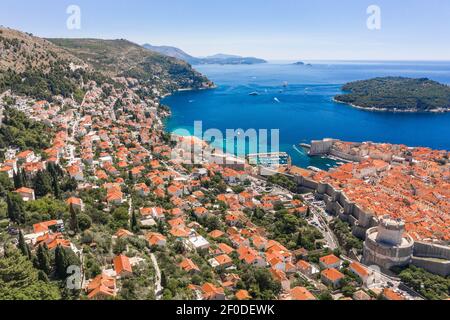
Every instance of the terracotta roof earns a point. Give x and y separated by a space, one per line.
301 293
333 275
243 295
122 264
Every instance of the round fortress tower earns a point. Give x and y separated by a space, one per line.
387 245
390 231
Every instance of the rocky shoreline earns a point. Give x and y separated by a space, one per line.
374 109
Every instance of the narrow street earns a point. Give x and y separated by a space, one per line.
158 287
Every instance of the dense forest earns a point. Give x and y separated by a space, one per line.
397 94
20 131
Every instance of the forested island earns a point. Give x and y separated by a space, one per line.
397 94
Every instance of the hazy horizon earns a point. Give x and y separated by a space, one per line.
292 30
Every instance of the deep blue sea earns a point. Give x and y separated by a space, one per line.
297 100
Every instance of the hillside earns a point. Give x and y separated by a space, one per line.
397 94
21 51
35 67
124 58
215 59
42 68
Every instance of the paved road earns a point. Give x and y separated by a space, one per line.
158 287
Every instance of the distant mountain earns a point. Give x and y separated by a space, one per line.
231 59
215 59
173 52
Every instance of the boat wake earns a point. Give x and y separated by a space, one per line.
298 150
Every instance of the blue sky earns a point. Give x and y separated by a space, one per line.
271 29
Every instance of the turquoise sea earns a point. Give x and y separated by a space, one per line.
297 100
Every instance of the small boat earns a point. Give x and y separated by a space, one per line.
254 93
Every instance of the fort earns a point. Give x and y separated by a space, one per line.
387 245
373 227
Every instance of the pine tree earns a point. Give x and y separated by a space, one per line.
74 226
42 184
16 211
130 177
134 224
23 246
163 279
10 206
43 259
18 181
308 212
20 281
300 239
56 189
24 178
60 262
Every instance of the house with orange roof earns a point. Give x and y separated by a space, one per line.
177 223
238 241
52 225
75 172
101 287
281 277
156 239
76 203
301 294
259 242
160 193
245 197
305 268
224 248
360 271
215 234
101 175
156 213
389 294
26 194
53 240
243 295
200 212
142 189
251 257
232 219
211 292
189 266
176 212
8 170
330 262
223 261
175 190
180 232
276 262
115 196
332 277
122 266
32 168
26 156
122 233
